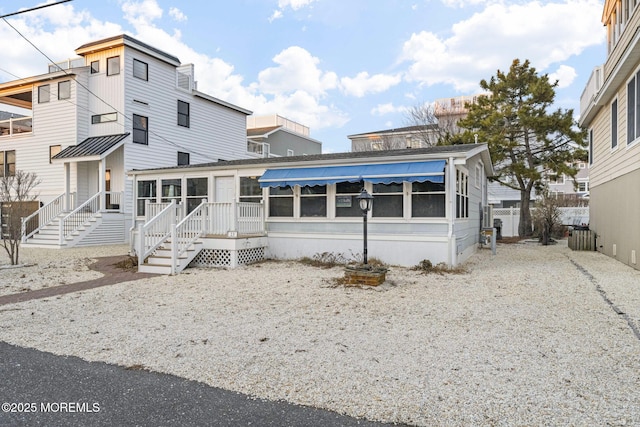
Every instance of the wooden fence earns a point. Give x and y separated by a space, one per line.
582 240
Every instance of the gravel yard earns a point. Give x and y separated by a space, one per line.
531 336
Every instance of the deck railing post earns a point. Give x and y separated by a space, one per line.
174 248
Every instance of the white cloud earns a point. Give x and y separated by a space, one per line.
491 39
383 109
277 14
141 13
177 14
565 75
294 4
363 83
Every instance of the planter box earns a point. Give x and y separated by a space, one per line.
362 276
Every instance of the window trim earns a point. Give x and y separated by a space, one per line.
183 154
614 125
187 116
95 66
60 91
145 130
111 72
5 166
96 119
41 99
144 77
53 148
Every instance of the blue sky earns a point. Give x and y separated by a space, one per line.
341 67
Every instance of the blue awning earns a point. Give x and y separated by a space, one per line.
387 173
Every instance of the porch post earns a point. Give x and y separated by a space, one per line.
450 182
67 187
101 178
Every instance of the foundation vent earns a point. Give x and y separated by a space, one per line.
633 257
614 251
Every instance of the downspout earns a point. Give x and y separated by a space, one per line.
451 178
134 208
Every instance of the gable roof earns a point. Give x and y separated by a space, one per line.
264 131
94 146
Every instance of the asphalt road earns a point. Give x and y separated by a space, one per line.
42 389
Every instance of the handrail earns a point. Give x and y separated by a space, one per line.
44 215
155 231
77 217
186 232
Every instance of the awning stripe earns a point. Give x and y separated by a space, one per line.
387 173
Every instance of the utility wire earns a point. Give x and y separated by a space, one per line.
34 8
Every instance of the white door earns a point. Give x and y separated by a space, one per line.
225 189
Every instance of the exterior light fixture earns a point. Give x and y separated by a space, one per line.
366 202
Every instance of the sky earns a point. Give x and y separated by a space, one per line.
340 67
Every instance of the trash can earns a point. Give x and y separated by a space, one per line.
497 224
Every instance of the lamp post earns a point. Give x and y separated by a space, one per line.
366 201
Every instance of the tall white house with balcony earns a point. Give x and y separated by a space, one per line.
122 105
610 110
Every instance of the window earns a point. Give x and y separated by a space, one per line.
104 118
171 189
197 189
53 150
140 129
250 190
43 94
583 186
462 195
95 67
633 108
614 124
427 199
64 89
140 70
313 201
183 158
183 113
346 202
146 191
554 178
388 200
590 146
281 201
113 66
7 163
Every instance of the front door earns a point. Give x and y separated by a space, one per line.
225 189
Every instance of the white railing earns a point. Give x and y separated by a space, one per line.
79 216
152 209
17 126
156 231
34 222
591 89
113 201
186 232
250 218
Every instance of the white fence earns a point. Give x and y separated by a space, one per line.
511 218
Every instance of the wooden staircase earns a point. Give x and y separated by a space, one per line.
159 261
102 228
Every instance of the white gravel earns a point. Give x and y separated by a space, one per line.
532 336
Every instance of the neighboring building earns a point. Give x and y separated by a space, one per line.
392 139
610 111
276 136
427 205
122 105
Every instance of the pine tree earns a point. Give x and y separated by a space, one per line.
526 140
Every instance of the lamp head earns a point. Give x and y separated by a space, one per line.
365 200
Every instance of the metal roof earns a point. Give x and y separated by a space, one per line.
92 146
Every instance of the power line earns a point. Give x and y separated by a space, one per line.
34 8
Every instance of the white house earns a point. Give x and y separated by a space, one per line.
427 205
121 105
276 136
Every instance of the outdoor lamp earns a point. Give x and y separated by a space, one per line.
366 201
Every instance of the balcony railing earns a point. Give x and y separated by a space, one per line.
18 126
591 89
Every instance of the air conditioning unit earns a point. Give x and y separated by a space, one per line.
487 216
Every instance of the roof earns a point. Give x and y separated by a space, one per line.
92 147
264 131
407 129
127 40
436 152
